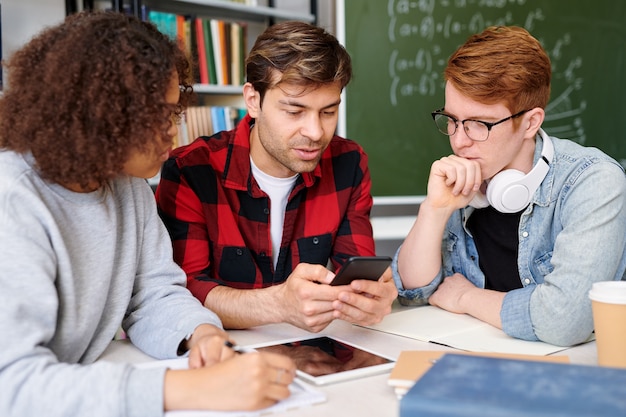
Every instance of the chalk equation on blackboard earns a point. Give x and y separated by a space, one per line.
416 70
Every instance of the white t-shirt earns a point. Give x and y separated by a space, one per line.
278 190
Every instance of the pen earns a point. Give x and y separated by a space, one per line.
236 348
239 350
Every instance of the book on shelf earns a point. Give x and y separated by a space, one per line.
239 32
218 116
217 50
209 53
243 51
201 52
183 32
412 364
478 386
234 54
182 136
227 52
128 9
165 22
221 52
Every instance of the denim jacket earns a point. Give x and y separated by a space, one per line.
572 234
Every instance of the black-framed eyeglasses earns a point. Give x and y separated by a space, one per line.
476 130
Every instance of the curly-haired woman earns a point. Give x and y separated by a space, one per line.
88 114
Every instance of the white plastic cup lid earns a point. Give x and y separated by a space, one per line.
612 292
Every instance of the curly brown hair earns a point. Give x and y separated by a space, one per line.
502 64
83 94
303 54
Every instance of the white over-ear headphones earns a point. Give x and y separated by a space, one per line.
511 190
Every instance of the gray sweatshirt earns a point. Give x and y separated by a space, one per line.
73 268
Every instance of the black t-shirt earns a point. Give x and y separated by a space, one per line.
495 235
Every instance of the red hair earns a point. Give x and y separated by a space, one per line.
502 64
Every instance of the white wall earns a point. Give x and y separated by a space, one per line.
21 19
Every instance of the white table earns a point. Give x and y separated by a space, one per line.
369 396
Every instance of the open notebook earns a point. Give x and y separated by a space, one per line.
301 395
432 324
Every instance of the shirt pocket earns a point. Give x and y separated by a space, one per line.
237 265
543 265
314 249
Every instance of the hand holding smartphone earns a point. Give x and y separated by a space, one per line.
361 267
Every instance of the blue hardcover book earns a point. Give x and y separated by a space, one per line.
476 386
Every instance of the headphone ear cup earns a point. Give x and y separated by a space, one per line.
507 193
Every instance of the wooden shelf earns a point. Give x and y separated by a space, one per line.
217 89
227 10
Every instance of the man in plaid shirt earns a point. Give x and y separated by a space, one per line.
256 213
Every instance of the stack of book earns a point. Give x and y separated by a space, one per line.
218 47
478 386
205 121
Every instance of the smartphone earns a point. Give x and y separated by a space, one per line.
361 267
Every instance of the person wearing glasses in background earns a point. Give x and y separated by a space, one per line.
516 226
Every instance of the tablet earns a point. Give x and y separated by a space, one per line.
323 360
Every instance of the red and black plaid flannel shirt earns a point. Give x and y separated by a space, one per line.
218 217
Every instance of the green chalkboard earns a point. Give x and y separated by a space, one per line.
400 48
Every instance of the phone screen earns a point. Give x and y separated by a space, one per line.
361 267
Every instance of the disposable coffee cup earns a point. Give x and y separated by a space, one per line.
608 301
